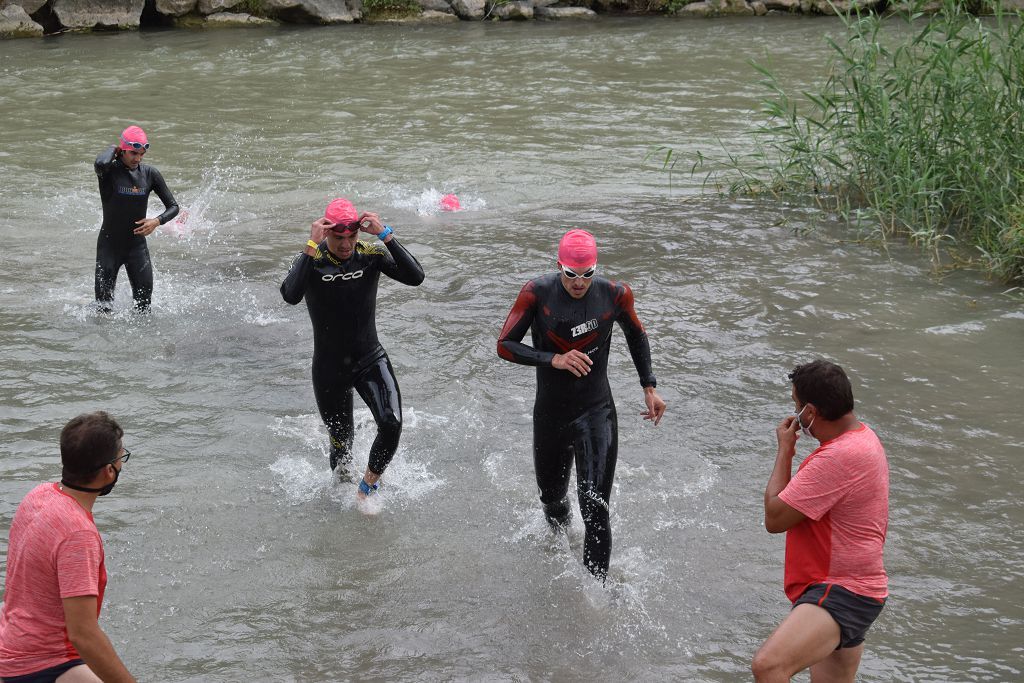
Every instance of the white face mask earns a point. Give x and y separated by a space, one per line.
806 430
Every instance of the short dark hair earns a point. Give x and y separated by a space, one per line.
87 443
825 385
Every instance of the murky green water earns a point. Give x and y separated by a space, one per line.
233 556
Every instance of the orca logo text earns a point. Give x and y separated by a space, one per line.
354 275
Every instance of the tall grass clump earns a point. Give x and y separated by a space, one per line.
919 132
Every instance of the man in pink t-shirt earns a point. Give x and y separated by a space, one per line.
56 575
835 512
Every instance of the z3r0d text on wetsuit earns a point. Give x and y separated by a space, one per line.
574 418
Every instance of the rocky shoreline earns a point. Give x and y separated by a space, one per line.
33 18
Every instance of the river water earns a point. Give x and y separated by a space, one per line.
232 554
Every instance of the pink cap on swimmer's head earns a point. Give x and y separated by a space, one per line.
450 202
134 137
578 249
342 213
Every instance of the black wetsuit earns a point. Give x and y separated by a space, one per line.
574 417
342 300
125 196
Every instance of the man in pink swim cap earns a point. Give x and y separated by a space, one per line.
125 185
337 275
571 315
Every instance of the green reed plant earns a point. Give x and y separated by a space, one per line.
918 133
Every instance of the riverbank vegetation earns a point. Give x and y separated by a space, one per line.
917 132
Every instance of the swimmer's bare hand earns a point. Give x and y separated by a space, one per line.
146 226
655 406
575 361
369 222
318 230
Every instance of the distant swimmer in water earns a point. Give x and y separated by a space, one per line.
450 202
571 315
337 274
125 183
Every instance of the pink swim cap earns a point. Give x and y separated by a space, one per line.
133 134
342 212
577 249
450 202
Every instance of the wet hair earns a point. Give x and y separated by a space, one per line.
87 443
825 385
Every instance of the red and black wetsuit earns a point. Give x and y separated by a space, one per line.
125 196
574 417
341 297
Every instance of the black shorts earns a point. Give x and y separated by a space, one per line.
854 613
46 675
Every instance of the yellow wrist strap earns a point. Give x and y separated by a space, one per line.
313 244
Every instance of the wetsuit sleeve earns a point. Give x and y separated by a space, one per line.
294 286
104 161
636 337
510 346
402 265
170 206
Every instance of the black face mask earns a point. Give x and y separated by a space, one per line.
103 490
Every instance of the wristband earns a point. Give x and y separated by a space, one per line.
366 489
384 233
313 244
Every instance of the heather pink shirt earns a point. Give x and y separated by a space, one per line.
843 489
55 552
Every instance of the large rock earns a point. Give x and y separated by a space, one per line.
174 8
214 6
16 23
98 14
731 7
840 6
236 20
312 11
469 9
695 9
506 11
434 17
435 5
30 6
552 13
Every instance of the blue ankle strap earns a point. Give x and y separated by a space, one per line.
366 489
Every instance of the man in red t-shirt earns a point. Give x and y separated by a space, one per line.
49 628
835 512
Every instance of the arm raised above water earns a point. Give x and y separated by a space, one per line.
510 346
294 286
104 160
402 266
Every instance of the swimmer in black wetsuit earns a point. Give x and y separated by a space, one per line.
337 274
125 184
571 315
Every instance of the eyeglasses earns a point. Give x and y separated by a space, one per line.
123 458
572 274
135 145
